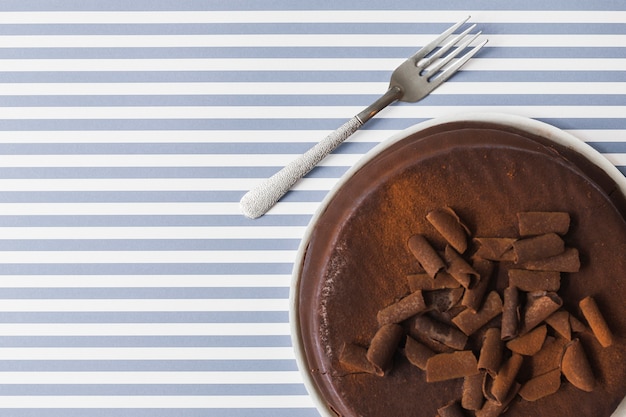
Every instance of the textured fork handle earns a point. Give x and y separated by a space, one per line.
260 199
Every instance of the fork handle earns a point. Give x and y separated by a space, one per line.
260 199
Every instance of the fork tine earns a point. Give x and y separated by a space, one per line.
435 43
445 48
449 71
434 69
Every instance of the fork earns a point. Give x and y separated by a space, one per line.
413 80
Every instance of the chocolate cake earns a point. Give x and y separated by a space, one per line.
361 255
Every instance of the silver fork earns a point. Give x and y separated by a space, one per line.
413 80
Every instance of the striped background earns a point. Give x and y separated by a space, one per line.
130 285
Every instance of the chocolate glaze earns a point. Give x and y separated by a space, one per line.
357 258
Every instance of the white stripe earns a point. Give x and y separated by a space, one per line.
142 257
302 64
154 184
294 112
235 377
180 160
136 305
144 329
147 353
607 135
315 16
156 401
144 281
225 232
616 158
298 88
299 40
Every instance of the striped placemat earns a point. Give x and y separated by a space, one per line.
130 285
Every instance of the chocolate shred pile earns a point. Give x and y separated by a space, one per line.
451 300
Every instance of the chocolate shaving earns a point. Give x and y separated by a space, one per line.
490 357
510 313
448 224
423 326
541 222
575 366
383 346
473 297
425 255
539 306
424 282
596 321
452 409
568 261
408 306
417 353
531 281
541 386
538 247
469 321
460 269
472 397
530 343
494 409
495 248
548 358
354 358
445 366
560 322
443 300
496 389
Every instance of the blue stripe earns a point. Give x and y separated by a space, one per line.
161 412
146 269
609 147
201 293
147 244
294 52
233 220
202 5
174 29
146 317
147 365
144 341
143 197
465 75
361 100
152 389
157 172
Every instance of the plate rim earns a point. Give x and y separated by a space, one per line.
529 125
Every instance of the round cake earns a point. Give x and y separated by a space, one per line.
358 259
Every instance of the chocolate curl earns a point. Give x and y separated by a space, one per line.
576 325
568 261
575 366
596 321
510 313
425 255
539 306
383 347
417 353
354 359
495 248
469 322
473 297
472 397
541 386
443 300
490 357
425 283
496 389
530 343
448 224
541 222
560 322
548 358
531 281
452 409
445 366
423 326
493 409
407 307
538 247
460 269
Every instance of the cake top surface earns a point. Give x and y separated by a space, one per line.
357 260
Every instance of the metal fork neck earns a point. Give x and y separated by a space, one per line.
394 93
